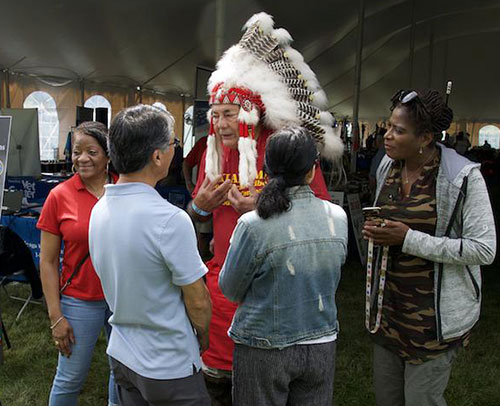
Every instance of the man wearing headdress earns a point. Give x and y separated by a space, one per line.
260 85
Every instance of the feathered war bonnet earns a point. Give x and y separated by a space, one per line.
270 81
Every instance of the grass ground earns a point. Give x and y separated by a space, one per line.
26 375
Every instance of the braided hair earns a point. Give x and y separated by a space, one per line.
428 111
290 154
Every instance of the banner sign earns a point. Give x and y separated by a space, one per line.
5 123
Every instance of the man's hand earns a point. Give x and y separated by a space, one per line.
240 203
204 342
210 196
199 309
392 233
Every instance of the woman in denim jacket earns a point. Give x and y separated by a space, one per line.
283 267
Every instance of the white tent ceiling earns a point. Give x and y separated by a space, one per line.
158 44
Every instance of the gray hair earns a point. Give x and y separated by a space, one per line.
135 134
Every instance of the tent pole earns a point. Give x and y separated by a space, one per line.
412 44
357 86
220 15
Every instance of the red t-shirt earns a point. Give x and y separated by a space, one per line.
194 157
66 213
220 353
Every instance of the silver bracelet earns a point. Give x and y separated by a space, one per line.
56 323
199 211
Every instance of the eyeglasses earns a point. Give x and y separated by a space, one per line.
175 143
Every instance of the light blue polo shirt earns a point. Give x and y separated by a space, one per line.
144 249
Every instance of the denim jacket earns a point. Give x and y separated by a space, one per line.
284 272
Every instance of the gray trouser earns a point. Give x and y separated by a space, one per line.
398 383
137 390
294 376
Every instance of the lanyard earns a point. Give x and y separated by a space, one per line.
381 286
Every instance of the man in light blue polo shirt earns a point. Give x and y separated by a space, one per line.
145 252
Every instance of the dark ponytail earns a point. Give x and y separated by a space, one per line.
290 155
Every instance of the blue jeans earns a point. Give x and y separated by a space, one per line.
87 319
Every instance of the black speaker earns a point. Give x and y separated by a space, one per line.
84 114
101 115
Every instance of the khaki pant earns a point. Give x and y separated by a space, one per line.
398 383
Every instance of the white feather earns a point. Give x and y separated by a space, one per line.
333 147
294 56
209 115
248 158
283 36
308 75
264 21
212 159
250 117
326 118
319 99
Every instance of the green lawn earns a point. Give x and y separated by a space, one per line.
26 375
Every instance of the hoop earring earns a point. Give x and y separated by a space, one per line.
73 170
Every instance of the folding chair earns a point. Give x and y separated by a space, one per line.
17 265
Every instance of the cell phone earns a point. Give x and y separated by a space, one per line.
372 214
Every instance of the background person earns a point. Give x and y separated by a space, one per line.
283 268
78 315
193 159
440 229
144 251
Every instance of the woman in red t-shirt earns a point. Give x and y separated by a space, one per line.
75 301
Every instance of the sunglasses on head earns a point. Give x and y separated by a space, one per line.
406 97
